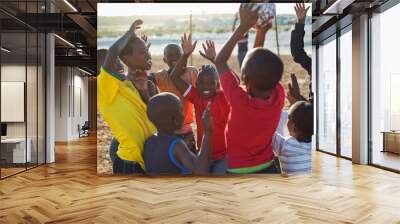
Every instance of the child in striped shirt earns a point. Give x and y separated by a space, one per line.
294 152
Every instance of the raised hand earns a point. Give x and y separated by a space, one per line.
152 88
146 39
209 51
265 26
139 80
248 15
135 25
301 12
187 45
294 94
118 46
206 118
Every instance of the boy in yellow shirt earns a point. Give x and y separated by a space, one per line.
121 100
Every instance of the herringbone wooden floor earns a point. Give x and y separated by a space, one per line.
70 191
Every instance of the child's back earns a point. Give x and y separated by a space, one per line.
164 152
158 155
294 156
256 109
294 152
251 125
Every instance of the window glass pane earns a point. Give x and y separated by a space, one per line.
385 84
22 88
327 97
346 94
13 86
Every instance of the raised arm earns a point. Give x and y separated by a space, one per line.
301 12
143 85
199 164
294 94
297 39
203 159
188 47
248 17
261 32
235 21
115 50
209 51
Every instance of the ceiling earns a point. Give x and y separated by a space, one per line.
74 22
331 15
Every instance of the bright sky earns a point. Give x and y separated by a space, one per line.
128 9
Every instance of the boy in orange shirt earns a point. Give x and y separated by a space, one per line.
163 80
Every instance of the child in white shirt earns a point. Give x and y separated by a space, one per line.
294 151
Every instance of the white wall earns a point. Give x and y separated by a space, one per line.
61 103
14 73
33 126
71 93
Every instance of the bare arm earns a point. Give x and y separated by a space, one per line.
177 72
234 22
294 94
140 81
248 18
198 164
116 49
221 61
206 148
153 90
261 32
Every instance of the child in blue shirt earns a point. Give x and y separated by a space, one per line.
167 153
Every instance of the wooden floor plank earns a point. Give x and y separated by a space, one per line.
70 191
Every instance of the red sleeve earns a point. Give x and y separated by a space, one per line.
231 87
192 95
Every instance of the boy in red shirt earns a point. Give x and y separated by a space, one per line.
206 92
255 109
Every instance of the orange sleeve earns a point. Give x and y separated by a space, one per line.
157 77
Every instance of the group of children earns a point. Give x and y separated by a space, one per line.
237 125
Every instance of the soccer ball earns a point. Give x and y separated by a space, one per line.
267 11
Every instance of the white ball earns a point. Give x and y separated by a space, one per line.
267 11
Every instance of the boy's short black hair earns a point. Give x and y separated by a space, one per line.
263 68
171 46
128 50
162 108
208 70
302 115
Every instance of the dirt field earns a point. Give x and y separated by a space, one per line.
104 134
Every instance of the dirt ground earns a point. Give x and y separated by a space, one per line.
104 135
